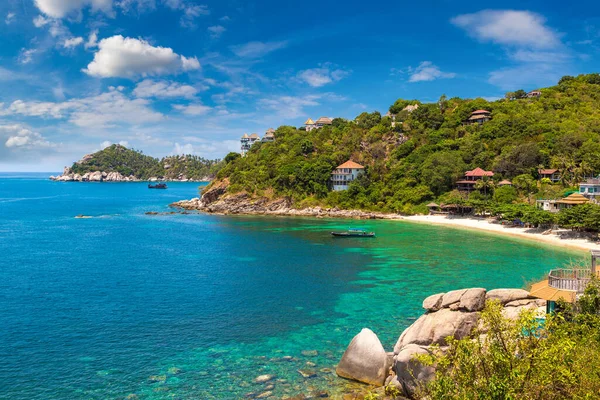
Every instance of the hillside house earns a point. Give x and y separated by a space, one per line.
247 141
590 189
534 94
321 122
552 174
572 200
504 182
479 117
344 174
467 184
392 117
269 135
548 205
410 108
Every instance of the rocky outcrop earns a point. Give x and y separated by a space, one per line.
97 176
216 200
365 360
451 314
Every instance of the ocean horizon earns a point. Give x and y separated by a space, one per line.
192 305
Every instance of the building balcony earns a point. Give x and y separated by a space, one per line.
572 279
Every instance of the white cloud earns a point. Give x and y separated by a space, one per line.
216 31
207 148
73 42
62 8
10 17
530 75
289 106
108 143
509 27
26 55
92 40
105 110
129 58
427 71
190 12
225 18
318 77
40 21
163 89
257 49
192 109
20 136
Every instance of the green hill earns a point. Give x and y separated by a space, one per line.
117 158
421 158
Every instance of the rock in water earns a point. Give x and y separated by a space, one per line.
263 378
473 299
433 302
365 359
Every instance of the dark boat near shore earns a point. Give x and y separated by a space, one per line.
157 186
353 233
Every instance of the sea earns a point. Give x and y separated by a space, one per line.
128 305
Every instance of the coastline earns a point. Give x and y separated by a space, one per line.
524 233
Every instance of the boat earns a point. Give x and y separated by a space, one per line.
353 233
157 186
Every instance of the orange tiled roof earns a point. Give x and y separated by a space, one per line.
479 172
351 164
480 112
547 171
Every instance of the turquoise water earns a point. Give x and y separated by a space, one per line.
196 306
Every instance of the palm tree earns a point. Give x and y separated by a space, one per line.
485 183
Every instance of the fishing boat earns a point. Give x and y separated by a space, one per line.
157 186
353 233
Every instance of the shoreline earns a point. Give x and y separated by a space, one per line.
523 233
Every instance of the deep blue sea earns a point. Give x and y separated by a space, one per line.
192 306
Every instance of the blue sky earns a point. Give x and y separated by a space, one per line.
186 76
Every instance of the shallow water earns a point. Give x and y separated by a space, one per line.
196 306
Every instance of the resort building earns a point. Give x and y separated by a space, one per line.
269 135
479 117
410 108
393 117
548 205
321 122
552 174
504 182
344 174
565 284
590 189
467 184
247 141
572 200
534 94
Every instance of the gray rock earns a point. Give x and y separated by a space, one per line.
365 360
517 303
409 371
473 299
505 296
263 378
433 302
452 297
436 327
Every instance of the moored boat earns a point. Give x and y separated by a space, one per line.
353 233
157 186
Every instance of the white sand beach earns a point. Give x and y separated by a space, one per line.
485 225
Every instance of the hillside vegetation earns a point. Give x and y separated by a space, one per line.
429 149
117 158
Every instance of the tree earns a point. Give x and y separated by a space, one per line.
505 194
232 156
525 184
520 94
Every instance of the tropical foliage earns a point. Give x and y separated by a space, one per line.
421 157
117 158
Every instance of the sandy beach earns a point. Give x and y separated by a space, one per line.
485 225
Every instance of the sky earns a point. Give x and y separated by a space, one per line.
185 76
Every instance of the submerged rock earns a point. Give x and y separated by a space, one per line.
365 359
310 353
263 378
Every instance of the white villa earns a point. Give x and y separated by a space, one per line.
269 135
590 189
321 122
247 141
344 174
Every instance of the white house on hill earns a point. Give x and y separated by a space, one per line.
321 122
344 174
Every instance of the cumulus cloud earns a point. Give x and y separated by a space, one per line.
22 137
122 57
163 89
318 77
216 31
192 109
62 8
10 17
509 27
72 42
104 110
427 71
257 49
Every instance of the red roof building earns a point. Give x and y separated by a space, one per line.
479 117
344 174
467 184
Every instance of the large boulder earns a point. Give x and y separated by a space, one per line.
473 299
433 302
434 328
507 295
410 371
452 297
365 359
96 176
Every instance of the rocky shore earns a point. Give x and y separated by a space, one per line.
452 314
103 176
217 201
